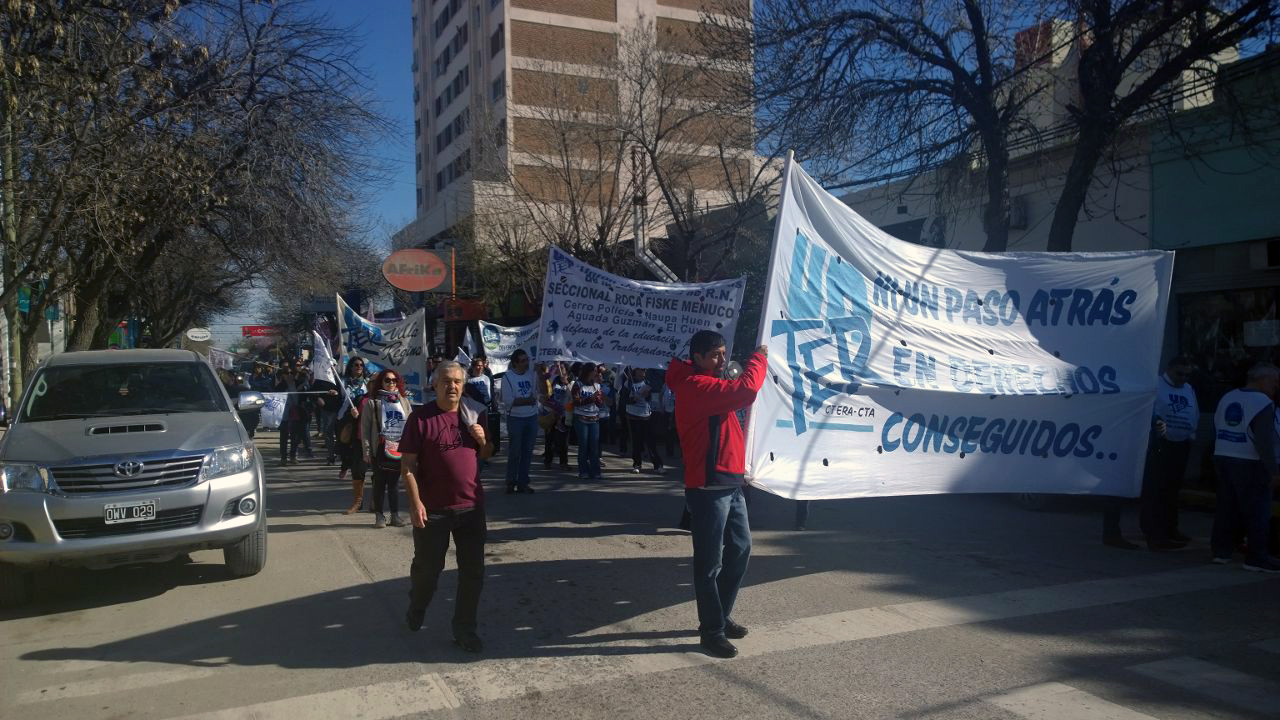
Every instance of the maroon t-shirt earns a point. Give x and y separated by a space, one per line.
448 471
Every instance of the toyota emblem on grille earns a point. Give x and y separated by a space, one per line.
128 468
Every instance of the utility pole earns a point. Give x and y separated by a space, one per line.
639 217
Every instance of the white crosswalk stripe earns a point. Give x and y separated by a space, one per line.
489 680
89 688
1226 685
382 700
1055 701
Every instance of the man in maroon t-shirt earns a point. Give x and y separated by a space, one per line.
439 465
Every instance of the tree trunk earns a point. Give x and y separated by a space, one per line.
89 312
30 325
102 333
995 218
12 317
1075 191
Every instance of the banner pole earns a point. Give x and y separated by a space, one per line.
768 286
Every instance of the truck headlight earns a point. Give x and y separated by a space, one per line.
23 476
227 460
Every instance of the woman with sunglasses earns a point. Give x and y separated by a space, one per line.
382 419
355 378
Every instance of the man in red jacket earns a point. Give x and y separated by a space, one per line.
714 476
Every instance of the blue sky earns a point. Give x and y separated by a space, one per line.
381 30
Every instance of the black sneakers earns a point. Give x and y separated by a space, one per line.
734 631
719 647
469 641
413 620
1119 543
1265 566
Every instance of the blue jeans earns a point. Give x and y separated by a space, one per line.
1243 503
588 448
721 549
522 433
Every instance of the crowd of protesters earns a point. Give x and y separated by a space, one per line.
369 425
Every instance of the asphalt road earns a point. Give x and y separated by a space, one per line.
917 607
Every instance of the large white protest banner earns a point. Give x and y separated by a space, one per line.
898 369
500 341
399 345
591 315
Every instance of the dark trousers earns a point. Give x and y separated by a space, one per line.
304 433
1112 508
624 432
495 429
429 546
662 429
721 550
643 438
386 482
1161 483
250 418
555 443
350 453
1243 501
292 432
802 513
329 429
607 427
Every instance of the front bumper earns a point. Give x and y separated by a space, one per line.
57 529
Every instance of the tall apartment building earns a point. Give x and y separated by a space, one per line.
488 72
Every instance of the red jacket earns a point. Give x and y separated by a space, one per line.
710 435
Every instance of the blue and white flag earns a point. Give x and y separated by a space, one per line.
273 411
399 345
899 369
500 342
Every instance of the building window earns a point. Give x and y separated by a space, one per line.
496 41
417 128
419 196
499 88
419 160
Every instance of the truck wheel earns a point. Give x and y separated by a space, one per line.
248 556
15 586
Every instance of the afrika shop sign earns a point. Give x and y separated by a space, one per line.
258 331
417 270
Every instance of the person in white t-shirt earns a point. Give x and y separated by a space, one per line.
637 399
520 405
1174 419
588 399
1244 457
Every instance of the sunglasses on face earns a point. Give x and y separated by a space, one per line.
389 381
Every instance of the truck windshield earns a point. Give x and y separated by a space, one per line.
81 391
